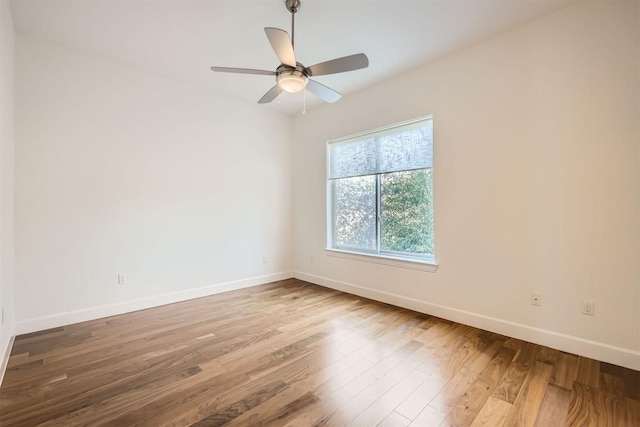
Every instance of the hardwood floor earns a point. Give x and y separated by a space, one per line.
292 353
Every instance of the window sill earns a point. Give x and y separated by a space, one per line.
414 264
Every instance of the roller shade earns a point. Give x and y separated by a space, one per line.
400 148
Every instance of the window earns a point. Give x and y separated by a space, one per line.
380 191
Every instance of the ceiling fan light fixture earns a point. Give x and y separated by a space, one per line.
292 81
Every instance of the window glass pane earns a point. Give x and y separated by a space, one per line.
354 206
407 212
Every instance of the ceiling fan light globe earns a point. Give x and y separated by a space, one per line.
293 82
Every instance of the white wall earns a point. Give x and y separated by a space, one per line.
536 179
6 178
122 171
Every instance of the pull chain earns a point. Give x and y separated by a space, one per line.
304 102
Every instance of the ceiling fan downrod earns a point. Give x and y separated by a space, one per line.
292 6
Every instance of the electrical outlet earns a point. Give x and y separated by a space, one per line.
588 307
264 260
122 279
536 299
311 260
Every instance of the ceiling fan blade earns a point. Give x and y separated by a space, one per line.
242 71
270 95
339 65
323 92
281 44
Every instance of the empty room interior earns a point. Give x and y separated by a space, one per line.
320 213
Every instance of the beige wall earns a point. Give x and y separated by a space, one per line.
122 171
537 167
536 182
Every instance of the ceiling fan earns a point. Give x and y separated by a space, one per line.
293 77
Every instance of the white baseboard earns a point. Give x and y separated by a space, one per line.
70 317
595 350
6 352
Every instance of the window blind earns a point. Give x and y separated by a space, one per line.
399 148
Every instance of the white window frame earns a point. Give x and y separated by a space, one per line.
397 259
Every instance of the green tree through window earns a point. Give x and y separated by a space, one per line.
407 212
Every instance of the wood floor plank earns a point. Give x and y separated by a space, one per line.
588 372
565 371
612 384
296 354
632 383
548 355
597 407
554 407
224 415
446 362
350 407
633 411
428 417
456 388
493 413
582 407
385 405
394 419
477 394
513 379
525 408
355 406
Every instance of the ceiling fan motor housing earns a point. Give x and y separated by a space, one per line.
292 5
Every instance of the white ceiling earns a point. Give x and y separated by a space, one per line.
183 38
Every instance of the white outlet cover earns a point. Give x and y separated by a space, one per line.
588 307
536 299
